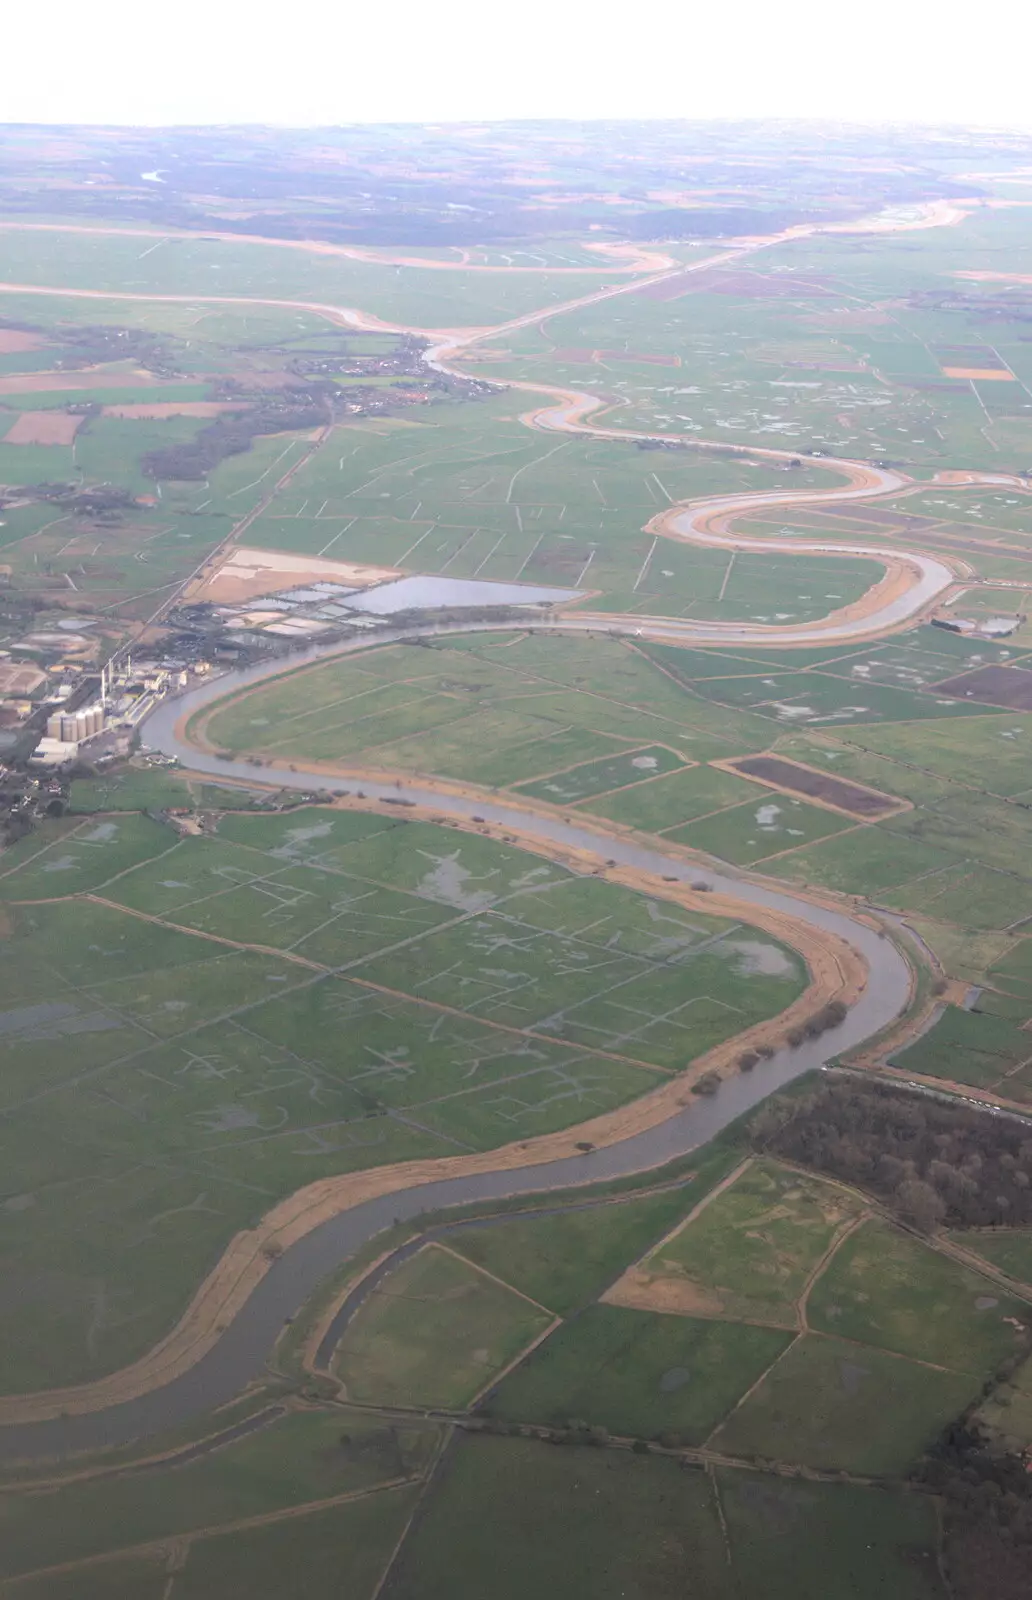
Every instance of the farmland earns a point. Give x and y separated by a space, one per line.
174 1011
725 1381
401 1346
773 1283
108 390
644 1529
666 740
189 268
749 1253
299 1457
757 1373
989 1052
814 346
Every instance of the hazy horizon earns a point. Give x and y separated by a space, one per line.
891 65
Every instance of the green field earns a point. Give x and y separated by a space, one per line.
475 493
659 1388
489 708
566 1258
752 1249
152 789
303 1456
796 352
599 777
638 1373
432 1333
828 1403
214 268
1006 1248
815 1541
558 719
661 805
79 859
886 1289
511 1518
968 1047
773 826
172 1047
345 1549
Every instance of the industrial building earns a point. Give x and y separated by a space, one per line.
113 704
73 727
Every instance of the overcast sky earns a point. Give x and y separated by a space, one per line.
329 61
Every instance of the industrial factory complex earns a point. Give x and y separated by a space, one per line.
97 715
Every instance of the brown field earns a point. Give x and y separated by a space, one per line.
18 677
995 277
93 378
792 776
996 686
176 408
248 574
14 342
981 374
44 427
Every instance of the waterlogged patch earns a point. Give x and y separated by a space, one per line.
61 864
295 839
26 1017
843 711
451 882
757 958
234 1119
767 818
787 713
53 1020
103 833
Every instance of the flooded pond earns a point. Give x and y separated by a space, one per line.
429 594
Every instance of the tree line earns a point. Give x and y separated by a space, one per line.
934 1163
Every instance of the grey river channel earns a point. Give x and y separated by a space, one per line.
243 1348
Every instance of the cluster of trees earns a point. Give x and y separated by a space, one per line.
1013 306
933 1162
98 342
830 1016
87 345
290 411
94 502
988 1497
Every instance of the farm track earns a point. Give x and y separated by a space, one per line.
652 1129
225 1336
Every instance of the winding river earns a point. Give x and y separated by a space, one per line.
243 1347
